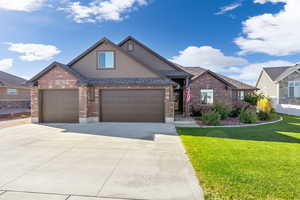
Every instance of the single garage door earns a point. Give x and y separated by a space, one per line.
59 106
132 105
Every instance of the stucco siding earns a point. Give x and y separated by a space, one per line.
267 86
125 67
145 56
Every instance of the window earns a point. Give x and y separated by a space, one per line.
130 47
294 88
207 96
106 59
11 91
241 95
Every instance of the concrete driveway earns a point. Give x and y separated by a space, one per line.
142 161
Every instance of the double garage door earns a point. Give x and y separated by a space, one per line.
115 106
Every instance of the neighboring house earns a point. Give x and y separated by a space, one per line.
13 92
208 87
125 82
282 85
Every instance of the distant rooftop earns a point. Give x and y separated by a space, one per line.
10 80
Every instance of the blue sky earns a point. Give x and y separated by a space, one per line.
235 38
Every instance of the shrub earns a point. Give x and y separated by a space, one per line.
197 112
248 116
253 98
264 105
267 116
222 109
237 107
211 118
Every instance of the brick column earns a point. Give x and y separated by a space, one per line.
83 104
169 105
35 105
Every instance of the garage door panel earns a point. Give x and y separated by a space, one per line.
132 105
60 106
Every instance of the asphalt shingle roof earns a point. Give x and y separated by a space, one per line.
129 81
10 80
275 72
198 71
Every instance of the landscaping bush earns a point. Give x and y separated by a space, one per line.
197 112
222 109
248 116
253 98
264 116
211 118
237 107
264 105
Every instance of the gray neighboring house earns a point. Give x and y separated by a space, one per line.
282 85
13 92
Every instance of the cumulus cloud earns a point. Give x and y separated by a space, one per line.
272 34
22 5
251 72
101 10
6 64
207 57
33 52
228 8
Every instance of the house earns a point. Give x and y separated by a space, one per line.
125 82
208 87
13 92
282 85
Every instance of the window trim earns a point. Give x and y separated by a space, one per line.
97 60
294 86
240 96
201 102
7 89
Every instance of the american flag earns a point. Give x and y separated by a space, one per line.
187 94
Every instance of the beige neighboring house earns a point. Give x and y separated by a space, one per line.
282 85
13 92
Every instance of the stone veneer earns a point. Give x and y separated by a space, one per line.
58 78
284 92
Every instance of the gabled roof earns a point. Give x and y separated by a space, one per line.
80 78
234 84
278 73
275 72
10 80
93 47
169 63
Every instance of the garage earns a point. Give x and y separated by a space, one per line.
132 105
59 106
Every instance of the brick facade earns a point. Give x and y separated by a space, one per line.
89 108
206 81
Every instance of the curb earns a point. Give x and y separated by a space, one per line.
246 125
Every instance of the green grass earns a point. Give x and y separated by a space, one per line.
249 163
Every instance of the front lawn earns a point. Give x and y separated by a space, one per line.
248 163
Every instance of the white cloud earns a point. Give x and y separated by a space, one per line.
33 52
207 57
273 34
6 64
227 8
22 5
101 10
251 72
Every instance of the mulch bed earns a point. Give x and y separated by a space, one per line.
228 122
14 115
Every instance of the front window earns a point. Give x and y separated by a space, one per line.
207 96
106 60
11 91
241 95
294 88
